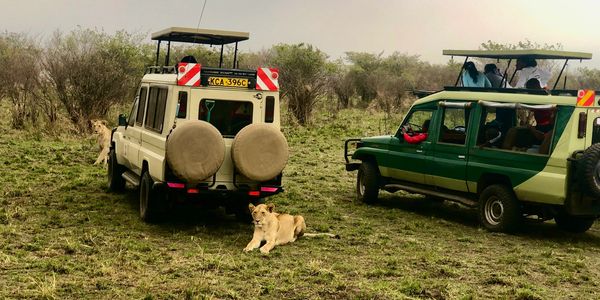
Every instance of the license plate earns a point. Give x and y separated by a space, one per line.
226 81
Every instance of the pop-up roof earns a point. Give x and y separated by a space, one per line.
513 54
517 54
200 36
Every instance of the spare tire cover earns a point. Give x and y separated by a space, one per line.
260 151
195 151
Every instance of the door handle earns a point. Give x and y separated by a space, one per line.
461 157
419 151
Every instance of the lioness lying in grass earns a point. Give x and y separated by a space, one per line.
276 229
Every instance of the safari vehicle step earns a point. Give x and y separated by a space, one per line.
132 178
425 191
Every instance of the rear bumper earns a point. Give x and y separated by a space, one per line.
200 190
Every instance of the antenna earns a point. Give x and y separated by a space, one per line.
201 14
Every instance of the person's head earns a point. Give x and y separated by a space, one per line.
525 62
426 125
491 68
471 70
533 83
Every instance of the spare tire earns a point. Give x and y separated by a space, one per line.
259 151
588 170
195 151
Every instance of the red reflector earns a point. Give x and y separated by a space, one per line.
193 191
268 189
175 185
254 193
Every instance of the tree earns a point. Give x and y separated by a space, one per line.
90 71
303 77
341 83
19 77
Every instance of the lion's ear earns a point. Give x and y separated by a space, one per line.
251 207
104 123
270 206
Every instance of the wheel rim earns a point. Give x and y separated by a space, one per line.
361 185
494 211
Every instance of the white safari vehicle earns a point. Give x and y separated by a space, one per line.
200 134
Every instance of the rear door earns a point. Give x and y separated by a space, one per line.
448 167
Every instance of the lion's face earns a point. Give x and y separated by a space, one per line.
98 126
260 213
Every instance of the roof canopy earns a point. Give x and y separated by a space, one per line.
200 36
512 54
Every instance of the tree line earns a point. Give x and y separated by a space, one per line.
80 75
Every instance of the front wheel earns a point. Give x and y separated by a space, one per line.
499 209
367 182
574 224
116 183
150 200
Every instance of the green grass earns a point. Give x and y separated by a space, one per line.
62 235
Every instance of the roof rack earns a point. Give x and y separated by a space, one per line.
497 90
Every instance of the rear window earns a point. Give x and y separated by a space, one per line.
229 117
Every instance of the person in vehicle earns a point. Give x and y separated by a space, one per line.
527 69
493 74
417 137
473 78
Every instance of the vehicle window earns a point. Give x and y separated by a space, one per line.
521 129
141 106
133 113
155 113
229 117
182 105
414 123
454 126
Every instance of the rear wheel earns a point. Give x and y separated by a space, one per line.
574 224
151 201
499 209
116 183
367 182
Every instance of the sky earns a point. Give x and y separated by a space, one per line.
420 27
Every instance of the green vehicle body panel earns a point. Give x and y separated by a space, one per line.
534 177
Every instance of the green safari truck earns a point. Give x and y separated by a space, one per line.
509 152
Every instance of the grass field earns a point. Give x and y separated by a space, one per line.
62 235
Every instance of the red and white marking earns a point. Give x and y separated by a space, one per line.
188 74
266 79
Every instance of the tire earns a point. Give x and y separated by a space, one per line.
116 183
195 151
151 201
367 182
499 210
589 170
260 151
573 224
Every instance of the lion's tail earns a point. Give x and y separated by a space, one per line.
331 235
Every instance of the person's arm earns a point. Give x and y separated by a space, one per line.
486 82
415 139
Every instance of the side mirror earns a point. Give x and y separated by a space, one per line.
122 120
